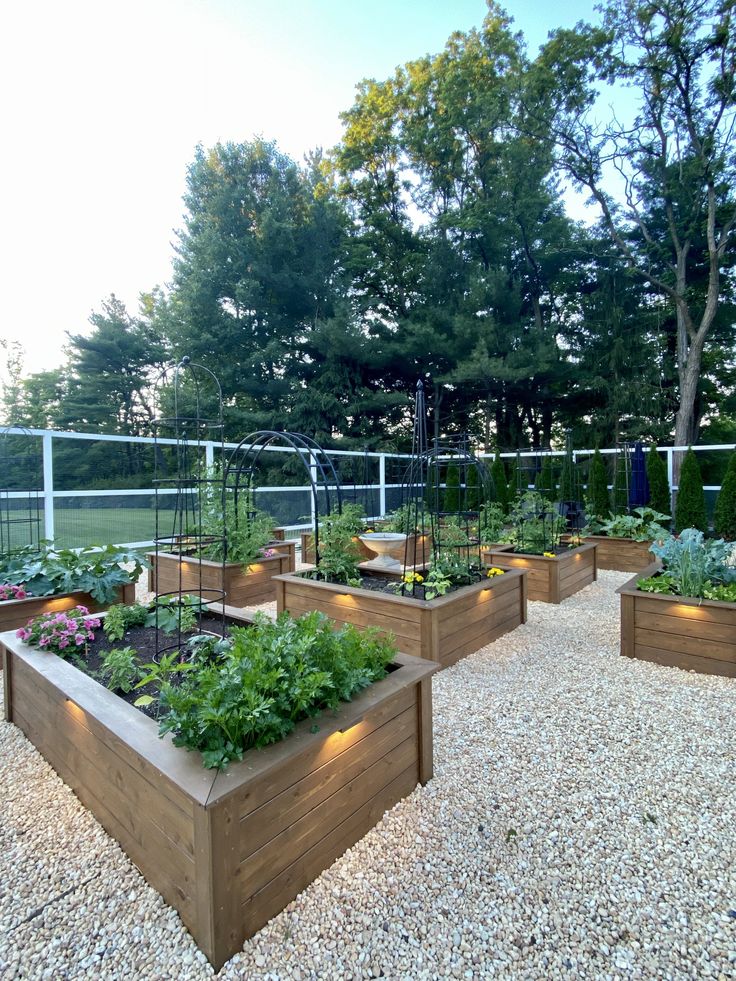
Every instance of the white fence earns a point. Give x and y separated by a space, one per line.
75 517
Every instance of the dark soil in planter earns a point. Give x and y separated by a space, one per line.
381 584
143 642
558 550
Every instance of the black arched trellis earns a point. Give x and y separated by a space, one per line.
189 427
240 472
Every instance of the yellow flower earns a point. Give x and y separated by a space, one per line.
413 577
548 555
494 571
368 531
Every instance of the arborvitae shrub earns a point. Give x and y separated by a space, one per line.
517 480
660 498
724 515
690 509
545 482
600 501
568 488
472 489
452 489
498 471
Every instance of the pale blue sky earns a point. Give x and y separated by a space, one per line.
105 103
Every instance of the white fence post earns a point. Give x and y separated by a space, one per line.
209 454
48 486
670 478
382 485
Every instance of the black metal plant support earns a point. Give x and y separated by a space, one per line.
21 505
241 474
184 488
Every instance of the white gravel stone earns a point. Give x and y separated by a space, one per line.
579 824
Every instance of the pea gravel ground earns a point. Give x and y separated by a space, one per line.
580 824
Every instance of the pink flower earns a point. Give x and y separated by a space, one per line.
64 642
82 609
79 639
23 633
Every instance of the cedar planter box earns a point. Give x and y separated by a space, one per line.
169 573
442 630
17 613
227 850
622 554
551 580
397 552
678 631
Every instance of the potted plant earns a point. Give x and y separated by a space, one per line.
240 558
443 611
41 578
556 571
623 540
306 735
681 611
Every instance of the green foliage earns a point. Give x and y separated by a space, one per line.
690 509
492 521
598 495
472 490
569 483
438 582
642 525
544 483
273 675
693 564
172 615
660 498
451 497
338 552
403 521
48 571
119 669
537 527
725 592
724 514
500 482
120 618
665 584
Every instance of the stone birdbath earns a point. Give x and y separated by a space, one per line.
383 543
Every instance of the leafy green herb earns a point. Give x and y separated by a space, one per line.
273 675
121 618
119 668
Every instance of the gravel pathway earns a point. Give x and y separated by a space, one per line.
579 825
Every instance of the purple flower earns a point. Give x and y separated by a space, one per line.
63 643
78 639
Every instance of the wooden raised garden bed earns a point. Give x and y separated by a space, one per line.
622 554
678 631
228 850
242 587
17 613
551 579
443 630
397 552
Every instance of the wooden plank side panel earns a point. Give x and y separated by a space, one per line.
688 662
687 626
470 643
672 607
408 641
92 756
167 867
684 644
487 609
273 817
575 565
263 905
16 613
280 777
405 608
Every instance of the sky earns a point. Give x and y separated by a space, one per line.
105 102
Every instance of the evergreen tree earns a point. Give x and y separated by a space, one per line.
598 496
568 479
724 515
621 482
517 480
690 511
452 489
472 489
660 498
545 482
498 471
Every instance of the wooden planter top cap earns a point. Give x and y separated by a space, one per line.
630 588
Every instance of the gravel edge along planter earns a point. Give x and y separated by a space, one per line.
677 631
619 554
16 613
442 630
551 579
227 850
241 587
